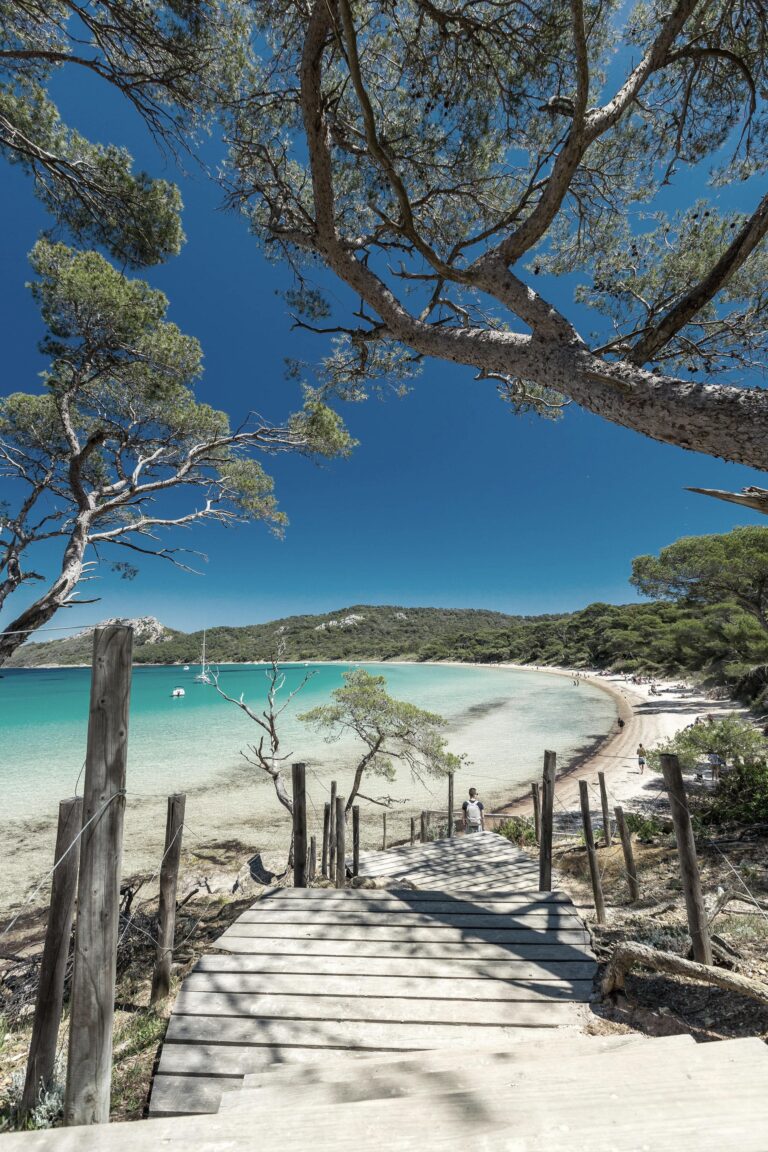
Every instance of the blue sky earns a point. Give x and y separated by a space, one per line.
449 500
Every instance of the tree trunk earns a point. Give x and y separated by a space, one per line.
625 956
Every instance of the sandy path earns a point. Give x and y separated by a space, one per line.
648 719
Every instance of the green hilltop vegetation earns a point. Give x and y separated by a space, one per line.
720 642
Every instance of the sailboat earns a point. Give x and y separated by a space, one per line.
203 676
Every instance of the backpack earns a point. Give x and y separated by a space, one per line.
474 812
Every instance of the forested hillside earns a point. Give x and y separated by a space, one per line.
720 640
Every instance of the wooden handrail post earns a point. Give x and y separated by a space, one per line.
91 1017
413 830
299 779
332 834
547 819
686 851
589 839
341 856
355 839
325 859
450 806
166 913
383 831
629 858
607 839
53 966
312 864
423 828
536 798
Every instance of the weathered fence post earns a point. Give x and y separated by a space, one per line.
629 858
686 851
341 859
312 865
299 777
536 811
166 913
423 828
383 831
332 834
594 871
606 810
89 1068
53 966
429 825
355 839
413 830
547 818
325 860
450 805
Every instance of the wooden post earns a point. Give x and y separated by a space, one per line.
325 860
312 864
53 966
413 830
332 834
686 851
341 858
429 825
536 811
547 819
607 840
356 840
89 1068
299 775
423 829
450 806
383 831
166 915
594 871
629 858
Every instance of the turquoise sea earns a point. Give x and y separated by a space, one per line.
501 718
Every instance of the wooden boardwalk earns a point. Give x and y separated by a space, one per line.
474 958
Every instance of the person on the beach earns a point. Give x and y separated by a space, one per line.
620 722
473 813
641 758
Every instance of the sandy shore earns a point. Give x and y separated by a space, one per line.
648 719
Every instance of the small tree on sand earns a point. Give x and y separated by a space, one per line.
391 730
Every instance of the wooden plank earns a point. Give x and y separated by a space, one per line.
557 917
427 988
405 935
386 1034
398 1009
365 897
718 1111
186 1095
236 1060
458 970
535 948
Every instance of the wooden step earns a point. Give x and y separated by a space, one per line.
720 1107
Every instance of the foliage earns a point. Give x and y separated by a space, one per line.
735 740
645 827
519 829
440 158
391 730
707 570
171 61
116 428
741 795
49 1106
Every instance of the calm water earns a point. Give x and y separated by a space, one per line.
501 718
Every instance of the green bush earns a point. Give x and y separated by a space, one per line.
644 827
741 796
735 740
519 829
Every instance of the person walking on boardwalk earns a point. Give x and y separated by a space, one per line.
473 813
641 758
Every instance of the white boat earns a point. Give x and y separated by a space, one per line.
178 692
186 667
204 675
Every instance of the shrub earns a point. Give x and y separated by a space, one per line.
644 827
519 829
741 796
